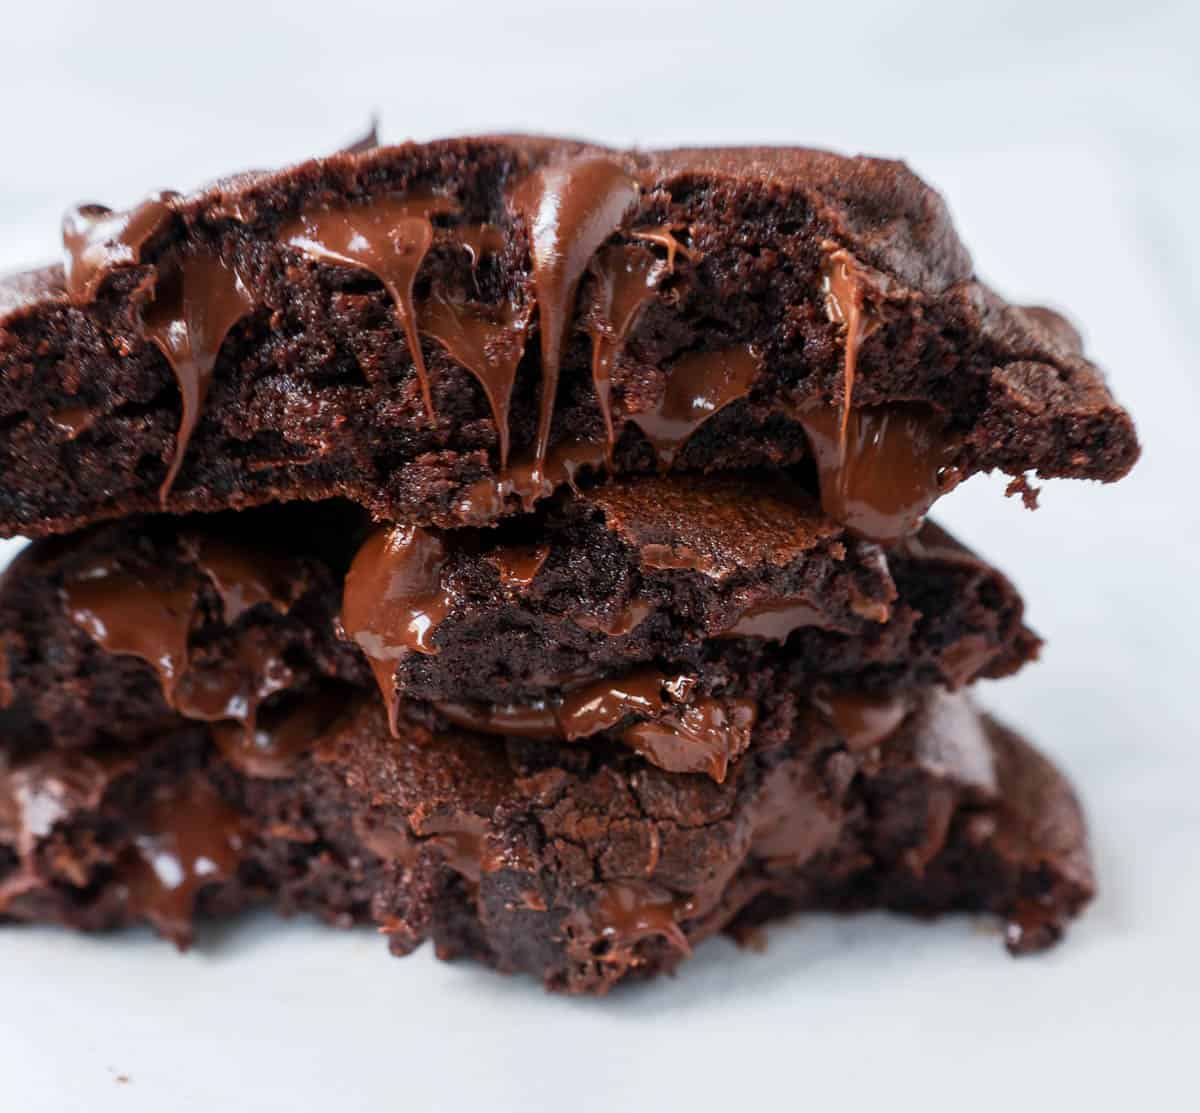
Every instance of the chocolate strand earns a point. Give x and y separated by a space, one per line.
188 322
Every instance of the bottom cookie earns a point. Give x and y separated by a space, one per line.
583 866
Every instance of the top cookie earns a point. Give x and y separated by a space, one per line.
446 332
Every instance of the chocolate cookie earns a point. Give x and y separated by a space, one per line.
446 333
580 866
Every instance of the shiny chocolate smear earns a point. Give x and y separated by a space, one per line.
234 690
190 839
192 313
697 387
388 236
127 614
702 737
97 241
888 477
394 600
487 342
573 207
626 281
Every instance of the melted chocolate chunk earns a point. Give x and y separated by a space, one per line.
888 474
697 387
394 600
128 614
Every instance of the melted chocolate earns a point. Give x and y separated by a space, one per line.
489 344
244 579
268 745
234 692
888 476
394 601
626 912
190 839
73 420
388 236
97 241
844 306
192 313
703 737
863 721
697 387
626 280
529 481
776 619
130 615
664 236
573 207
518 565
675 558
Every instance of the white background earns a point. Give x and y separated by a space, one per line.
1066 138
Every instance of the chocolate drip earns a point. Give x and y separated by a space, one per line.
844 306
96 241
664 236
518 565
626 280
625 912
487 342
244 579
127 614
394 600
697 387
863 721
573 208
192 313
190 839
620 623
529 481
73 420
268 744
889 474
776 619
701 738
388 236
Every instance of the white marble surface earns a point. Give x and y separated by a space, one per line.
1066 138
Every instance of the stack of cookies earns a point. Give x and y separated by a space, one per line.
522 544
